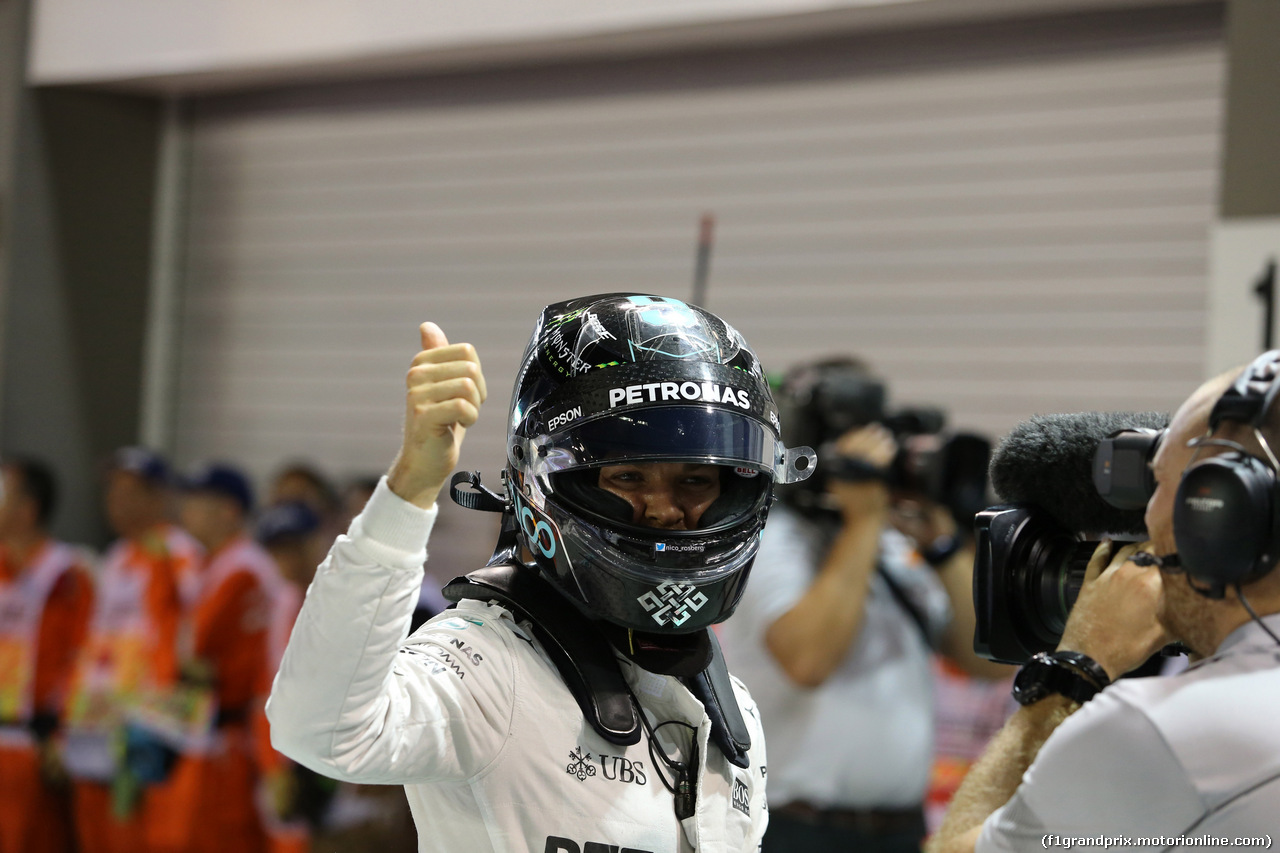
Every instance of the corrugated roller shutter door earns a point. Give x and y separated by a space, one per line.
1016 229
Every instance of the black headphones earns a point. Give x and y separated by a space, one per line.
1226 515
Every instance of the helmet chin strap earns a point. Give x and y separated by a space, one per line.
480 497
681 655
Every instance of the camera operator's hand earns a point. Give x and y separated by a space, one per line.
1114 618
923 521
872 446
445 390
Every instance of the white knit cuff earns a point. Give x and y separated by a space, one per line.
392 530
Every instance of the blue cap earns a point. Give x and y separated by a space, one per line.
223 480
286 520
147 464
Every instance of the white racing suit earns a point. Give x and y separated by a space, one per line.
472 717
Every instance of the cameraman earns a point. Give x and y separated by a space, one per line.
1192 755
835 631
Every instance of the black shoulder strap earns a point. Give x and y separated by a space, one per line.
907 604
586 661
583 657
713 689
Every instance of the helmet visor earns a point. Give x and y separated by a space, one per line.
705 434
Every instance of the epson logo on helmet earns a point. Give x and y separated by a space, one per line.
674 392
1204 504
564 418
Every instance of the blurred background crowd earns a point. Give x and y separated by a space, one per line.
133 679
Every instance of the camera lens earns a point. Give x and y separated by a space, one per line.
1027 577
1042 560
1056 585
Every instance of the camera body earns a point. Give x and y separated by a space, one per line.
823 402
1032 552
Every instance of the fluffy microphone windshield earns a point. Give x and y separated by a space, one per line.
1047 461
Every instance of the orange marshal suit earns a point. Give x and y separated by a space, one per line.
132 647
209 802
44 614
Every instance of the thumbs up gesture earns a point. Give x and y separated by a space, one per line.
445 387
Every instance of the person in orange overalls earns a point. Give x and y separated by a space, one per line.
209 804
132 648
46 596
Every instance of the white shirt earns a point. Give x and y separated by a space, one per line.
1193 754
864 737
473 719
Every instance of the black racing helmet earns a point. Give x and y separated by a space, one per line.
617 379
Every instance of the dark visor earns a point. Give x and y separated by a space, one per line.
679 433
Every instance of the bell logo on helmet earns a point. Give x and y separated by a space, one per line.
598 328
672 603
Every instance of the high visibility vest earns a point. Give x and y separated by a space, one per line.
239 555
187 722
22 604
122 654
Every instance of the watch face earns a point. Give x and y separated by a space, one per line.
1028 686
1045 674
1031 684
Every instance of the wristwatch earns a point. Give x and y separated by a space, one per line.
1072 674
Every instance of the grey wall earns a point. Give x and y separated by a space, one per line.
76 272
1003 219
1251 135
1246 237
12 27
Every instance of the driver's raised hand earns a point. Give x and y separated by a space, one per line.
445 387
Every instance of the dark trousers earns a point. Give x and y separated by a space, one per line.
787 834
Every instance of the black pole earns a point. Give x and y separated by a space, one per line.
702 266
1265 289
